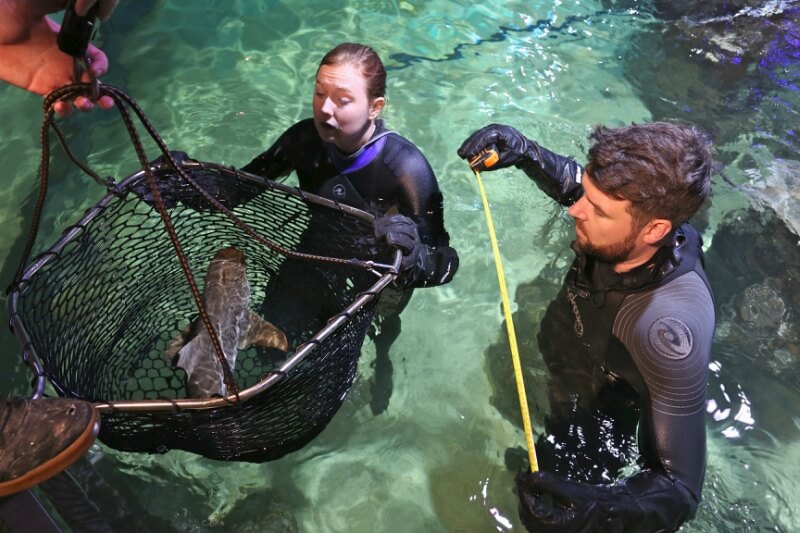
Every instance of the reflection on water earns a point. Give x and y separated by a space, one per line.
221 80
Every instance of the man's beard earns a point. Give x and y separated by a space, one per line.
611 253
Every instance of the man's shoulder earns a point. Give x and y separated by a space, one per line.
674 320
685 295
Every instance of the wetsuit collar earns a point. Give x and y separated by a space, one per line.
349 163
591 273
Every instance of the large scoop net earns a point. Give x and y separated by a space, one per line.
96 312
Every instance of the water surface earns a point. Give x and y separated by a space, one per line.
221 80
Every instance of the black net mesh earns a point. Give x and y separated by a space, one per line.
99 308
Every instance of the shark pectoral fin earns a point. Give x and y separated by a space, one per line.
203 374
262 333
177 342
187 358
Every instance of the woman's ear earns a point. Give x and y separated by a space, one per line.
376 106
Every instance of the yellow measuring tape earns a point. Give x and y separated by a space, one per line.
512 337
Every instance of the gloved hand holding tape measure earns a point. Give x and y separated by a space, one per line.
494 147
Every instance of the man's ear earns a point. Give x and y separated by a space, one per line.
655 230
376 106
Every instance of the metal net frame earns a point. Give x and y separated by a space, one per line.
96 311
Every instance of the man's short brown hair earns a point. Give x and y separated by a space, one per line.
662 168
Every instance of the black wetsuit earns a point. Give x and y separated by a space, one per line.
387 175
625 351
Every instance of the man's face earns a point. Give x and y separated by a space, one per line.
603 226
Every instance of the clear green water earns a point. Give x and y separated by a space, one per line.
221 80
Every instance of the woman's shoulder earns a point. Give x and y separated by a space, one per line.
403 155
399 140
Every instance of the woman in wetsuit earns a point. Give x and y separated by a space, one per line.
346 153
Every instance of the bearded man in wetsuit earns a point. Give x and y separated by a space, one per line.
627 340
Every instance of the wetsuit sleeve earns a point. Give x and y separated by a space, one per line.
421 200
668 332
552 504
278 161
556 175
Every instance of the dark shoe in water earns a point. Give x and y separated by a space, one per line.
40 438
382 384
381 388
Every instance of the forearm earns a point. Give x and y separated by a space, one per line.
647 502
284 155
437 262
557 176
269 164
655 502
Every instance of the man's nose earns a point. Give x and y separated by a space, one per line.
578 209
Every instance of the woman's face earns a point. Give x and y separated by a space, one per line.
344 114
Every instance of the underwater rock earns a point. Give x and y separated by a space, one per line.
753 265
729 31
761 307
764 329
748 247
692 9
728 67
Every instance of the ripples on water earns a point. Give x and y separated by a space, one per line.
222 80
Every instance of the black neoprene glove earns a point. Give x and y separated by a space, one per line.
401 232
510 145
421 265
557 176
647 502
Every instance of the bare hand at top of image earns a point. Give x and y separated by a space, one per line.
29 54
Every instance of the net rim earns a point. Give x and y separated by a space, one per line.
274 377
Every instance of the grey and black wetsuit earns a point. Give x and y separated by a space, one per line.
628 354
387 175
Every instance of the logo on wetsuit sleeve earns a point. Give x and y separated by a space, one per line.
671 338
339 190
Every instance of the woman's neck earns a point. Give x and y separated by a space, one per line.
368 133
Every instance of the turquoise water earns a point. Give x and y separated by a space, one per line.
223 79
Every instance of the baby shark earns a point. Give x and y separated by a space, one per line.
226 297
